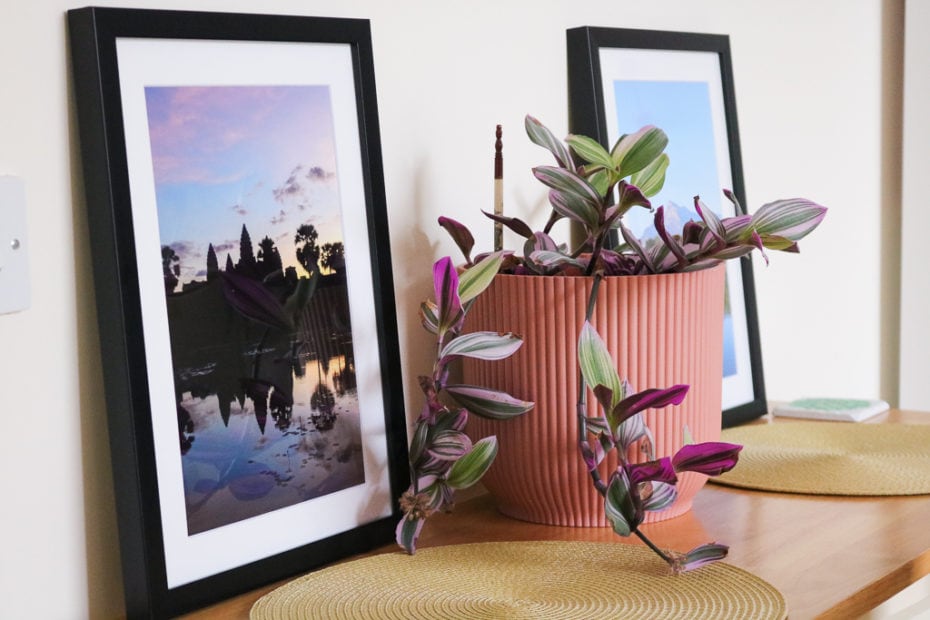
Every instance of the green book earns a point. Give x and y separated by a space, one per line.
838 409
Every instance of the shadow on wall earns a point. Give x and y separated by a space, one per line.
104 576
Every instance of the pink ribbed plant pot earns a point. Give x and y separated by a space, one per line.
661 330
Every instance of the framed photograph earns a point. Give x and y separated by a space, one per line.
235 195
622 79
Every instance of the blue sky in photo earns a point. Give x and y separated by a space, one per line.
682 110
224 156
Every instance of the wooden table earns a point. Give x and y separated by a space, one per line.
831 557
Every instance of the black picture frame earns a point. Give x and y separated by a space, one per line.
107 74
589 49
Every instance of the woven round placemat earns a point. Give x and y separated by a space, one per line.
832 458
517 580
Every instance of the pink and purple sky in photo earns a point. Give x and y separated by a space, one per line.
224 156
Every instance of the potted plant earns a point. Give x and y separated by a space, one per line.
658 303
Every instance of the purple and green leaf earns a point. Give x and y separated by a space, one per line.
429 316
659 470
653 398
620 505
651 179
574 207
460 234
700 556
590 150
488 403
635 151
407 533
449 306
449 445
597 367
488 346
469 469
474 280
712 458
792 218
539 134
661 495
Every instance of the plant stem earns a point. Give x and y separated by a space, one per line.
596 252
592 298
583 394
652 546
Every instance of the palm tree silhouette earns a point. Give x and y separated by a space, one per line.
308 253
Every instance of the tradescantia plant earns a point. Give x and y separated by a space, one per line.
635 488
442 457
594 188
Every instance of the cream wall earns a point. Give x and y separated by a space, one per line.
915 251
810 78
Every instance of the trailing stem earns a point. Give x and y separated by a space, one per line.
595 473
583 393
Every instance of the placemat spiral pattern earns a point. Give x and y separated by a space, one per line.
522 580
832 458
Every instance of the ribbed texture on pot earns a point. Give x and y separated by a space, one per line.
662 330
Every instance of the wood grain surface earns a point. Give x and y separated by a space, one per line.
831 557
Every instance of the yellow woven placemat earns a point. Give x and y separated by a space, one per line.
517 580
832 458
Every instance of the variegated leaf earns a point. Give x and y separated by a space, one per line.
738 228
446 284
448 419
635 245
474 280
738 209
670 242
590 150
482 345
714 225
548 258
619 505
597 425
568 182
540 241
700 556
629 431
570 205
601 180
793 218
637 150
597 367
488 403
470 468
708 263
661 497
651 179
776 242
418 443
540 134
429 317
407 533
733 252
629 196
449 445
